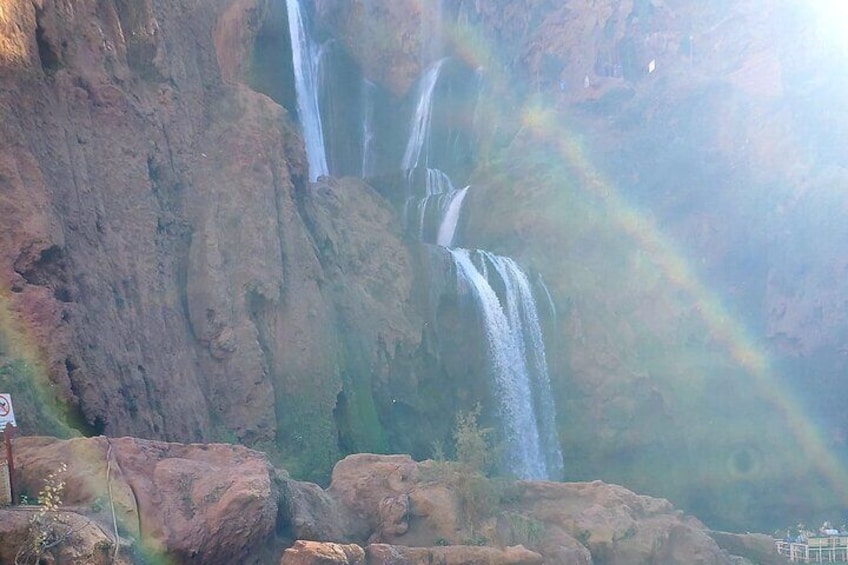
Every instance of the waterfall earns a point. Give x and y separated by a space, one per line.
497 289
305 54
524 320
438 209
419 134
450 218
550 299
514 367
515 354
368 102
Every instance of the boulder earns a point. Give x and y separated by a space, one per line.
405 504
210 503
757 548
83 541
307 512
362 481
323 553
618 525
382 554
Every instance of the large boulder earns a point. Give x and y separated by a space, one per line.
362 481
212 503
399 502
30 536
618 525
382 554
323 553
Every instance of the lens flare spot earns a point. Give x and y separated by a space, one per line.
745 462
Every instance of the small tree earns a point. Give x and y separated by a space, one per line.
474 449
46 528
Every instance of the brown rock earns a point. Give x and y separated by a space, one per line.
307 512
618 525
362 481
567 523
757 548
322 553
381 554
84 542
385 38
213 503
394 513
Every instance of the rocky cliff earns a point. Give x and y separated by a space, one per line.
167 271
165 262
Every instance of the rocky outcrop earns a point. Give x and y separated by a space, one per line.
323 553
756 548
563 522
216 503
452 555
385 38
81 541
212 503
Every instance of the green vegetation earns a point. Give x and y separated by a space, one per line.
36 408
480 496
47 529
524 530
474 449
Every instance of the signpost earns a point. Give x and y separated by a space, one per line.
7 469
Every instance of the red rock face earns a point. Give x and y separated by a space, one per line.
154 255
385 38
163 260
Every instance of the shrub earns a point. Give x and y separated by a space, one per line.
473 444
46 528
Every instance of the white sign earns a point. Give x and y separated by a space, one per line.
7 413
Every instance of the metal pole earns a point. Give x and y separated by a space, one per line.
8 434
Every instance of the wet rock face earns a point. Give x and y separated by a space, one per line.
385 38
157 256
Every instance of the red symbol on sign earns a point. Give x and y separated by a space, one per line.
5 407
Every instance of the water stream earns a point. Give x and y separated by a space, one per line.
306 57
515 357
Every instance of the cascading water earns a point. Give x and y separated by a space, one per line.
450 218
515 352
550 300
368 101
306 57
518 372
419 135
515 348
438 210
524 321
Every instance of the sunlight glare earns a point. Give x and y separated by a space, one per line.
831 20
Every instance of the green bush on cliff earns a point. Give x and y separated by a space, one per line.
474 449
479 496
36 410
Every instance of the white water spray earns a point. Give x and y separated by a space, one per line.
419 134
305 56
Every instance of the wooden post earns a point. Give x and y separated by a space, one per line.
8 434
